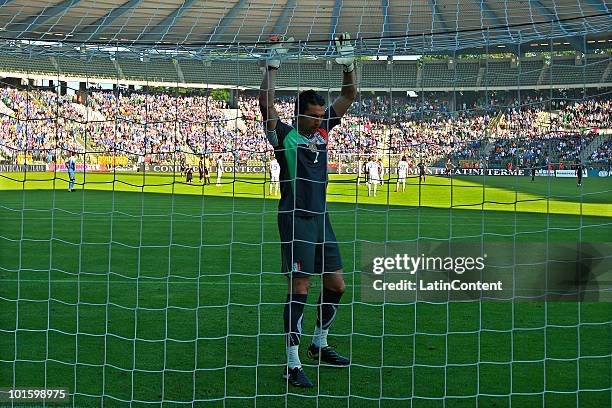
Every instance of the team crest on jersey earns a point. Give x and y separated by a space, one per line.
297 267
319 137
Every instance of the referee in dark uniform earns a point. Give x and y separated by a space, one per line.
421 167
308 243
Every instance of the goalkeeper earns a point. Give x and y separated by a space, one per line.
308 242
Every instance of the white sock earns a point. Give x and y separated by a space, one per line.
320 337
293 357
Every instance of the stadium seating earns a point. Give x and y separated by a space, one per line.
22 64
375 124
437 74
530 72
565 71
92 67
161 70
500 73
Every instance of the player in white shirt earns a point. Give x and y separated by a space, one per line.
402 171
219 170
274 176
381 171
372 169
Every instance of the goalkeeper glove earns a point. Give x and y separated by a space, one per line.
346 51
275 52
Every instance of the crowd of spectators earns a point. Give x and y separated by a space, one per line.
559 137
585 116
159 124
603 153
42 123
28 124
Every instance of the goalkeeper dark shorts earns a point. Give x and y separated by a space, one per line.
308 245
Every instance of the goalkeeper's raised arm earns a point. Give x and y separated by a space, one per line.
346 58
267 90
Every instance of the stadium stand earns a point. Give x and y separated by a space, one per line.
530 72
163 124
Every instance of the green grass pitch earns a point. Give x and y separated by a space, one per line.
139 288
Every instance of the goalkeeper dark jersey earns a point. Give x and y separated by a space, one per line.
303 163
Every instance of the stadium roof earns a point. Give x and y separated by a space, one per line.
382 27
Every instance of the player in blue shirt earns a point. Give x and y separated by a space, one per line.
71 167
308 243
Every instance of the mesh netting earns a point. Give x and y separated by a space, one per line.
155 281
